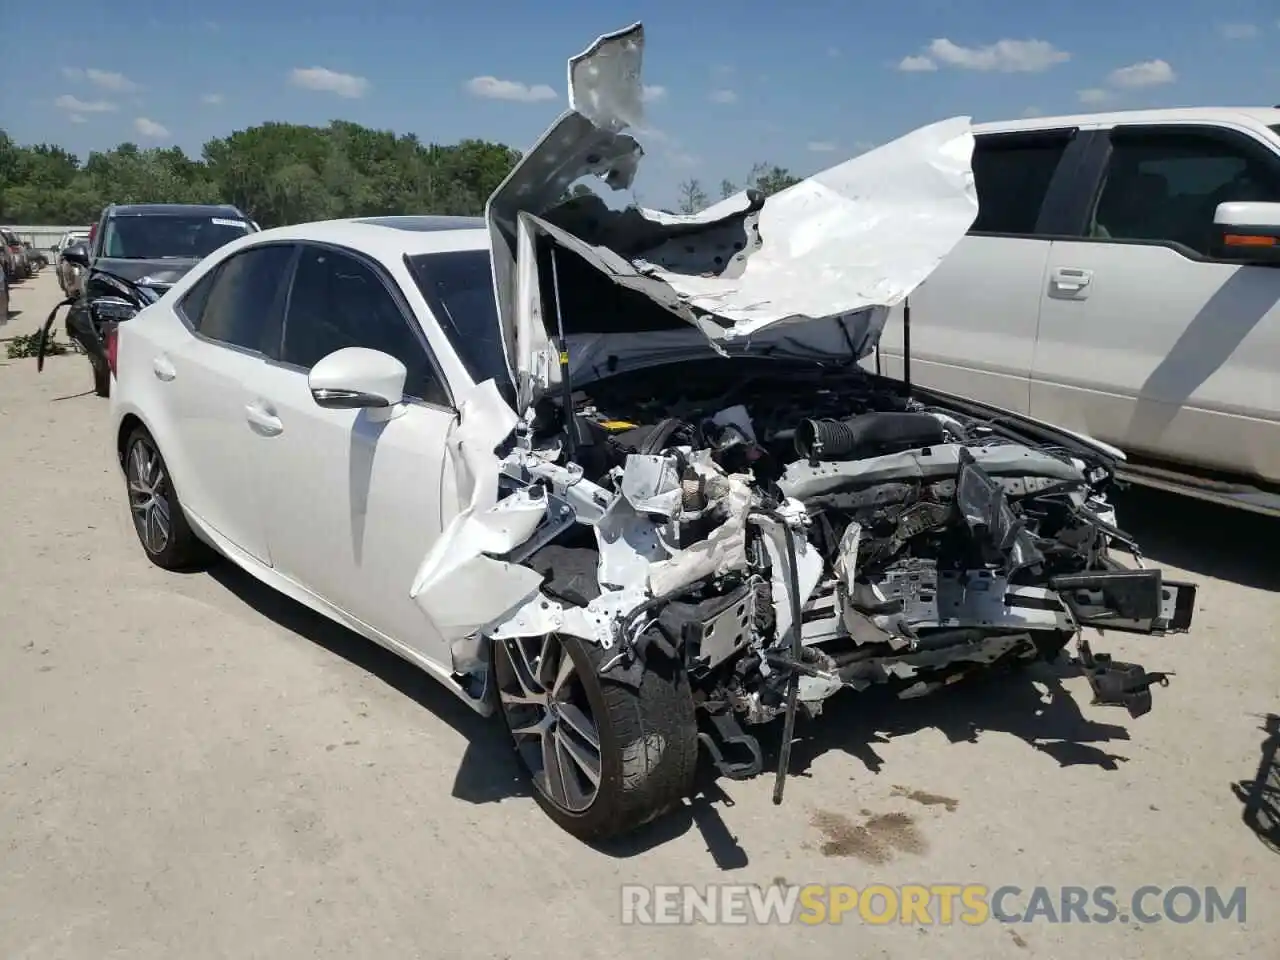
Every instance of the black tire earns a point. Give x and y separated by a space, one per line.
648 742
101 378
181 549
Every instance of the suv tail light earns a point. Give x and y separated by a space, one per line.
111 341
92 231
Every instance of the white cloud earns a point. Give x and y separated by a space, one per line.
652 94
1003 56
149 128
329 81
115 82
103 79
491 88
75 118
213 99
1033 112
723 96
821 146
76 105
1094 95
1238 31
1148 73
916 65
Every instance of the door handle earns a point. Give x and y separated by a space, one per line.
262 419
163 369
1071 280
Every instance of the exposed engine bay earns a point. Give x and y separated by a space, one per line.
913 544
692 469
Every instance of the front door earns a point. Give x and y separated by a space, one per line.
973 321
356 504
1146 340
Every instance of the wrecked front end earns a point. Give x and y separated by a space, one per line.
698 473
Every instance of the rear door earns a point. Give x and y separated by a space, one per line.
235 314
1148 338
973 322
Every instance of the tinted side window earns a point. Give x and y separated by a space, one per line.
243 305
192 305
337 301
1164 186
1012 174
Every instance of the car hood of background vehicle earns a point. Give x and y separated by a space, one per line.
160 274
844 245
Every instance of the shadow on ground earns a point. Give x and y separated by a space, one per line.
1203 538
1049 722
1261 795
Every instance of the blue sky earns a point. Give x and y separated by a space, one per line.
804 83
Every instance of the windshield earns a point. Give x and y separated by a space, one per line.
169 236
458 287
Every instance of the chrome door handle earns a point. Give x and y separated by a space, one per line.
1071 278
1070 283
262 420
163 369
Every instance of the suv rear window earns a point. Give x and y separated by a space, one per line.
1012 173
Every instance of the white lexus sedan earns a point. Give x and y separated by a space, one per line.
617 476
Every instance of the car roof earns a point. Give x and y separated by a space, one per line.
386 237
172 210
1246 116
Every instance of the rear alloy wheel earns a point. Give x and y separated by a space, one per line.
604 758
161 525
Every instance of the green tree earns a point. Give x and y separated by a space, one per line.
771 178
692 197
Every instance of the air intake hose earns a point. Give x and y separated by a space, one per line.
866 435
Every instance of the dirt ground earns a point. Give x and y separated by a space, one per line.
192 766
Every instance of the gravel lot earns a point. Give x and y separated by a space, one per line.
192 766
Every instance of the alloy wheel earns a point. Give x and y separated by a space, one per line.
551 721
148 500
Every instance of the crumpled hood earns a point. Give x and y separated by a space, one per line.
848 242
160 274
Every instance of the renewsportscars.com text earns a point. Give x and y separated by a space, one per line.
928 904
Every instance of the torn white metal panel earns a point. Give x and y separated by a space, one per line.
723 552
851 240
457 586
863 233
604 80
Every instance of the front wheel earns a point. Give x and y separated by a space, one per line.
603 758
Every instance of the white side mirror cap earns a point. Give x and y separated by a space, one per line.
356 378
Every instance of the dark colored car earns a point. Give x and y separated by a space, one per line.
17 266
155 244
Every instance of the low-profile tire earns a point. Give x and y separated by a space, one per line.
101 378
641 744
163 531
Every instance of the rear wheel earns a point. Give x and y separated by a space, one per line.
604 758
162 528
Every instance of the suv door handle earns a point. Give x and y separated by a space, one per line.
1071 281
163 369
262 419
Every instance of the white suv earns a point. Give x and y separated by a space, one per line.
1121 281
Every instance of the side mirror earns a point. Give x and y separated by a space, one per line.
1248 231
356 378
77 253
